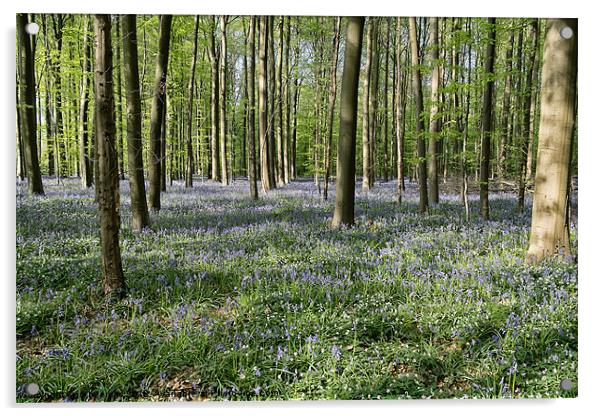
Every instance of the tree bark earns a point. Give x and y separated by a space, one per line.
27 109
251 116
549 224
433 168
222 113
486 119
140 216
366 110
417 81
400 114
280 137
263 97
108 201
157 111
190 156
345 183
119 106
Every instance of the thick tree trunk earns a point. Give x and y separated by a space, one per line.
345 184
332 94
287 103
84 158
486 121
524 148
157 111
140 216
108 201
27 107
549 224
417 81
222 112
189 154
271 63
251 116
366 110
433 168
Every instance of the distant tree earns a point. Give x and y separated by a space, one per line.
366 109
189 154
332 93
140 216
27 107
550 221
108 186
526 113
417 82
157 109
400 111
84 125
345 184
486 120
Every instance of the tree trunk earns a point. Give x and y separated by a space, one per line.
157 111
119 106
263 97
222 112
417 81
332 94
190 158
549 224
366 110
279 120
502 152
287 103
271 149
400 113
251 116
433 168
84 158
386 109
486 119
140 216
27 107
345 184
317 54
375 73
108 201
524 148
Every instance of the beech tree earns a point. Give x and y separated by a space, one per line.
550 220
27 110
140 216
433 167
108 186
157 110
345 184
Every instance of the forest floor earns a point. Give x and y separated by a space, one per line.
241 300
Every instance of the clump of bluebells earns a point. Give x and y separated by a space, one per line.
233 299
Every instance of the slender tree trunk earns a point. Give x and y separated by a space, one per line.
190 156
140 216
296 97
332 93
21 169
527 117
486 121
278 110
271 103
164 126
374 111
57 22
108 201
263 97
287 103
386 109
502 151
550 222
400 114
119 106
214 144
532 108
366 110
251 120
317 112
222 113
345 184
433 168
417 81
84 159
27 107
